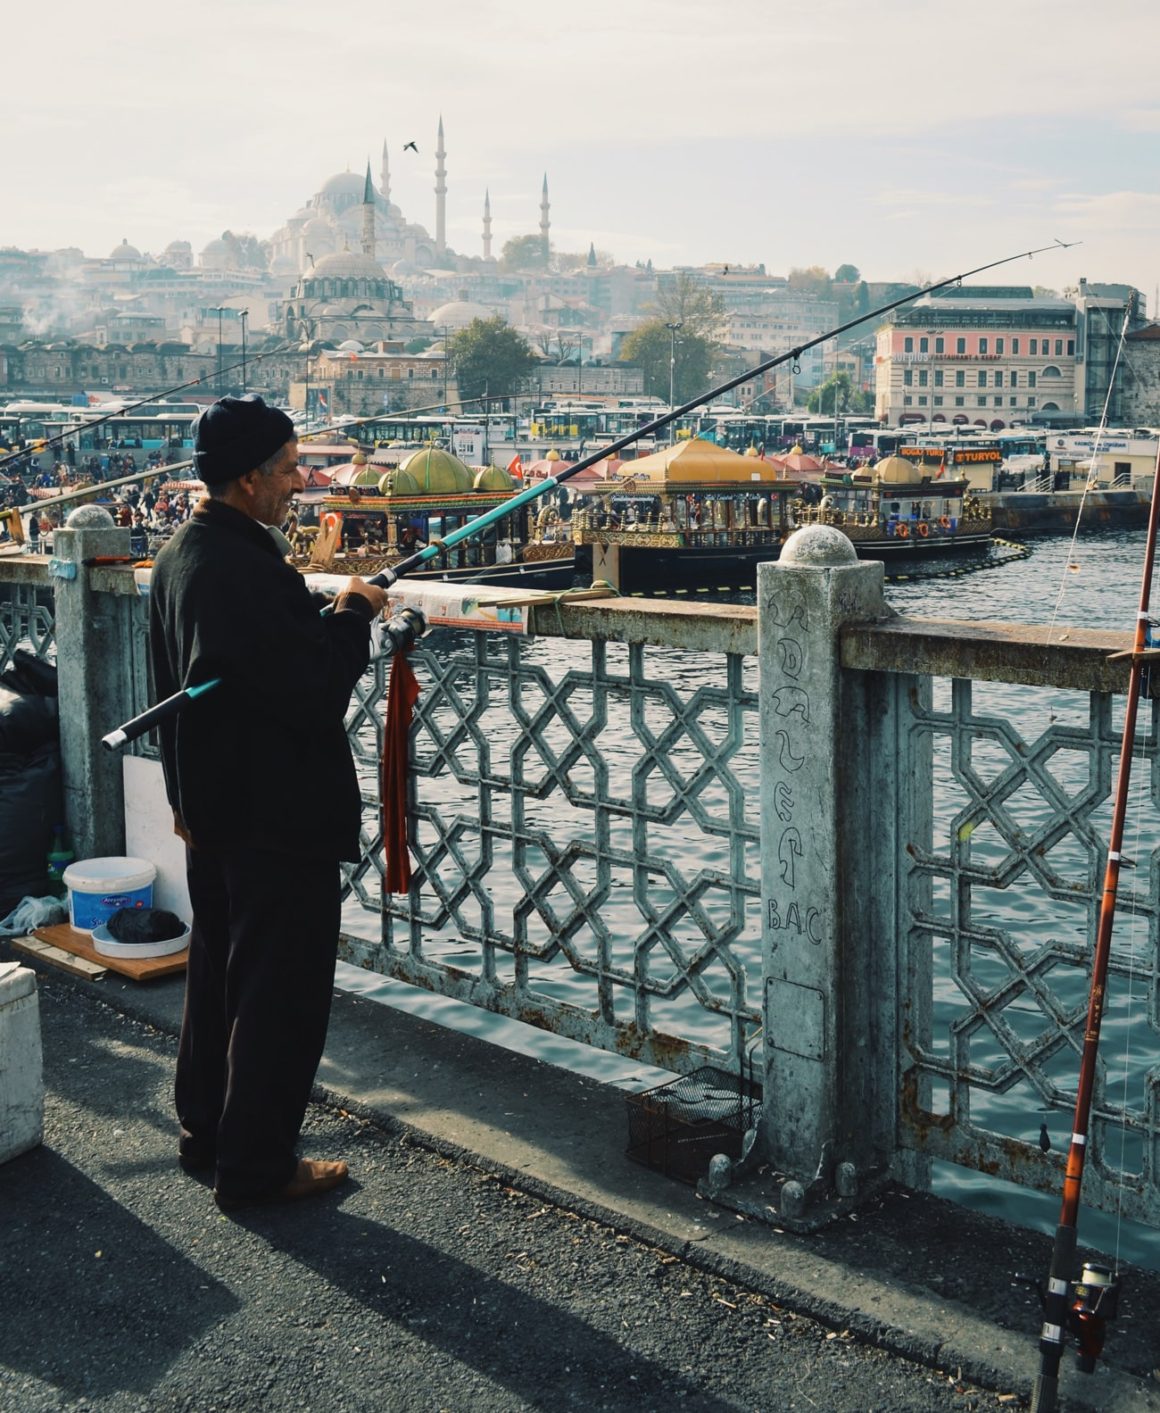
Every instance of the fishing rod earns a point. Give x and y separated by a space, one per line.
385 578
43 443
1084 1307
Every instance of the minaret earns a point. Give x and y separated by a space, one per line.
544 222
385 183
440 194
368 230
487 225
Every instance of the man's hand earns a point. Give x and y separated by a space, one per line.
371 592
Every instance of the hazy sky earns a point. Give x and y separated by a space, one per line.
909 137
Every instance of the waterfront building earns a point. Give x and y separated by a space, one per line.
1141 401
982 356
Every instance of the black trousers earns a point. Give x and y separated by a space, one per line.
257 1002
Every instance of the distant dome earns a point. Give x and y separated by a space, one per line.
437 472
350 346
899 471
494 478
216 256
343 184
125 251
347 265
459 313
316 226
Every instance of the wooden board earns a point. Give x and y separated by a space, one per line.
80 944
63 961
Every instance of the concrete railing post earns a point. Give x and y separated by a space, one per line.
93 678
826 1103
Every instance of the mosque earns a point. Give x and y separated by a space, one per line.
348 247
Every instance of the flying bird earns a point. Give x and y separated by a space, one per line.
410 146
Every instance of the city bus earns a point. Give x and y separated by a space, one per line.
170 433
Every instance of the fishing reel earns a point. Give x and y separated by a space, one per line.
404 627
1092 1304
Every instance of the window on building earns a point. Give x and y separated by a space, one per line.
908 344
938 377
960 345
907 400
1034 345
922 399
1014 401
1014 346
998 345
924 345
1030 402
938 345
982 346
981 377
1051 371
1031 379
1059 348
999 400
998 378
922 377
960 378
1071 348
959 401
1013 378
907 377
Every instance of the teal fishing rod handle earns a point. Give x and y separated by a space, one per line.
155 715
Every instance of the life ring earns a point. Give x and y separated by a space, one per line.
923 529
944 522
903 530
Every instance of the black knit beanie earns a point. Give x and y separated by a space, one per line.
235 435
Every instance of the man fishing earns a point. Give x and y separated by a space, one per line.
263 867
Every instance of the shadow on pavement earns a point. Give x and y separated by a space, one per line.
94 1301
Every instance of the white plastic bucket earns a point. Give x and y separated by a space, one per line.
97 888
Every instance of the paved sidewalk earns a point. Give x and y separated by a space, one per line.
495 1251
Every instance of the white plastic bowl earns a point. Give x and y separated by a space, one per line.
105 943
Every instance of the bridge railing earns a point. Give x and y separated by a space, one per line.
904 959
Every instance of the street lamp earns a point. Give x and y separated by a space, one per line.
245 316
219 308
673 331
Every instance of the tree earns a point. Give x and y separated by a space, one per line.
650 347
811 280
489 358
524 252
687 302
847 275
849 399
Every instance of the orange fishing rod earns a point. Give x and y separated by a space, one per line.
1083 1307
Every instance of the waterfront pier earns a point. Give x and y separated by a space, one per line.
850 857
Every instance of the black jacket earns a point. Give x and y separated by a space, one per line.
263 760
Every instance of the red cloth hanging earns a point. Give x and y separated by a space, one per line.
402 694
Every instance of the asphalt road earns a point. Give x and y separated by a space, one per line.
425 1283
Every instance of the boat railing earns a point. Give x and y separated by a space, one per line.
857 851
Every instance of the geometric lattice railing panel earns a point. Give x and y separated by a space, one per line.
26 621
1000 906
584 838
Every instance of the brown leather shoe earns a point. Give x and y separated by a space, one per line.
312 1177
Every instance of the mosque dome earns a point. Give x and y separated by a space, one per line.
216 256
317 227
459 313
347 265
437 472
125 251
343 184
350 346
899 471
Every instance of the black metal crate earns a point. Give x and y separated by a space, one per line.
677 1127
